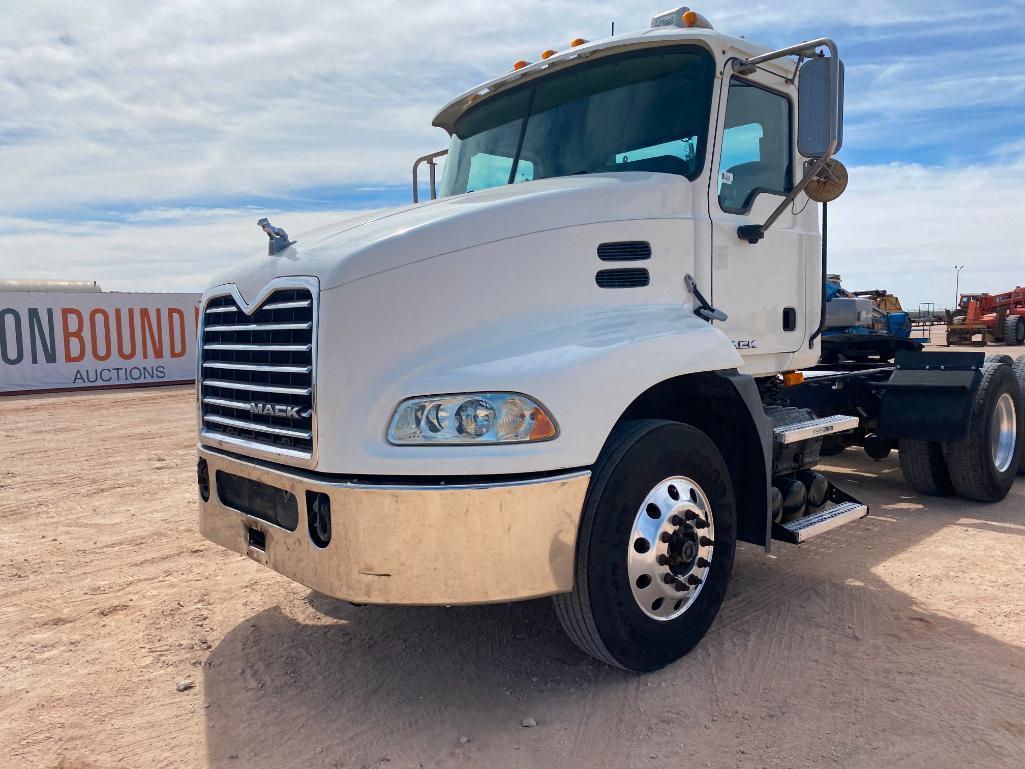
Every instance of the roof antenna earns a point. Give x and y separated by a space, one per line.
613 29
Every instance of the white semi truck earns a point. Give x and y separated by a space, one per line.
587 366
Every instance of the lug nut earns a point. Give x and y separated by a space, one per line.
690 515
693 580
665 536
700 524
681 588
662 560
702 563
706 542
676 520
669 578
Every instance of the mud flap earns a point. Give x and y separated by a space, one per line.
929 396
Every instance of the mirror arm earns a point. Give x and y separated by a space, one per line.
807 49
752 233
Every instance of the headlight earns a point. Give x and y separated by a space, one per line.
470 418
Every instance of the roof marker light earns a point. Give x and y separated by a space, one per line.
682 17
547 53
520 64
577 41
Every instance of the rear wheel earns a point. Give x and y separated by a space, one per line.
655 548
1014 330
982 467
924 468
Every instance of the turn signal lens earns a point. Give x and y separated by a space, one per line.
690 18
578 41
548 53
520 64
543 426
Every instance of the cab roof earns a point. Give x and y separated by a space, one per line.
716 42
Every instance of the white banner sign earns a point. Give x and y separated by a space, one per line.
57 341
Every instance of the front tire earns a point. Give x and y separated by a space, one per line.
668 478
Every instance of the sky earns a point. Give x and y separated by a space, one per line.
140 142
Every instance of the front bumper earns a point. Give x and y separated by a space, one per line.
411 544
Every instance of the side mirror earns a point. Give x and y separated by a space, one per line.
820 107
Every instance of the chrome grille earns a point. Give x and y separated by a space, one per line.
256 372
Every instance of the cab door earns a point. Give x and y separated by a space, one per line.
762 286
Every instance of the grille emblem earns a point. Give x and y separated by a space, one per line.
278 410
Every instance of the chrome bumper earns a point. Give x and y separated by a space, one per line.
481 543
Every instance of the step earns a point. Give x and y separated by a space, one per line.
810 526
814 428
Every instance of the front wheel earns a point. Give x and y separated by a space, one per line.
655 547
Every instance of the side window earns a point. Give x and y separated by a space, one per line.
756 151
493 171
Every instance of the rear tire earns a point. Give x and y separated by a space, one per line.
983 466
1014 331
601 615
924 468
1018 367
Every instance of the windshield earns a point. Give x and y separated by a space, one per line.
639 111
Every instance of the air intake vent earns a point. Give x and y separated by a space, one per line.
625 251
628 277
257 372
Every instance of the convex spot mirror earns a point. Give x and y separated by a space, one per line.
820 107
829 183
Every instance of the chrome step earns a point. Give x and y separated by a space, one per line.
812 525
814 428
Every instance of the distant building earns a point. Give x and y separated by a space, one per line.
76 286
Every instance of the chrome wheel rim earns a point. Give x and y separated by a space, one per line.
1004 434
671 548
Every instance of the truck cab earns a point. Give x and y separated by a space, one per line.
559 375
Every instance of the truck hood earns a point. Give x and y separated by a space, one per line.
384 240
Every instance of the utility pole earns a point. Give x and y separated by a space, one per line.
957 284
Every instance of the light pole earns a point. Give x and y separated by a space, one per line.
957 284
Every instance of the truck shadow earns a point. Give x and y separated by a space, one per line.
822 656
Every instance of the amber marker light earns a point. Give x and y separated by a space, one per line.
690 18
792 378
547 54
520 64
577 41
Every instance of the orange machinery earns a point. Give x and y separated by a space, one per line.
996 317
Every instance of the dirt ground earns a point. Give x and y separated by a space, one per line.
898 641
